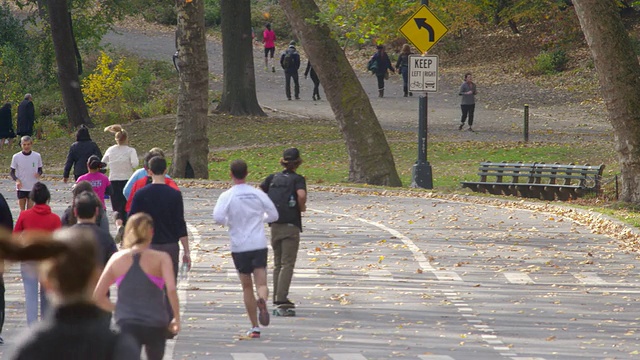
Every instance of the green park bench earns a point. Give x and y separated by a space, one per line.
537 180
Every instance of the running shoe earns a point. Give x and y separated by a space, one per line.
461 126
254 333
263 313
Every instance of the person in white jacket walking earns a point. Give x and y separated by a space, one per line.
121 160
245 209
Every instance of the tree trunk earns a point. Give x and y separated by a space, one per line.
619 75
191 146
239 87
62 37
370 159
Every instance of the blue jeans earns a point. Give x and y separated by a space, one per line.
33 291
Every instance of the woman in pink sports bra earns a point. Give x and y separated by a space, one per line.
142 274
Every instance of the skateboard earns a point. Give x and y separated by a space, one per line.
284 310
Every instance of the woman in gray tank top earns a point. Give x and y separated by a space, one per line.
75 328
142 275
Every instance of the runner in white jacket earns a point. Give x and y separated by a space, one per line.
245 209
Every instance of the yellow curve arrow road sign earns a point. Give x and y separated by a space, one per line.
423 29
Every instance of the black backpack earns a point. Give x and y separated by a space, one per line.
287 62
282 194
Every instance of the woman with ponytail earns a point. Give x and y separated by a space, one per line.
121 160
142 275
75 328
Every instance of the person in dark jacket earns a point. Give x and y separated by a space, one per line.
69 217
6 125
6 224
290 62
380 64
402 65
87 208
76 329
79 153
26 117
315 79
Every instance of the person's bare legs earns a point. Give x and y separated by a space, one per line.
260 278
249 298
23 204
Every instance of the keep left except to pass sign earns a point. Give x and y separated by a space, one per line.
423 73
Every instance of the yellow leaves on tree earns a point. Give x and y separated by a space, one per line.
103 87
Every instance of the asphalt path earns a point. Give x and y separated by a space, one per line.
552 118
382 277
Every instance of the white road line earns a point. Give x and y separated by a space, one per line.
589 278
248 356
380 275
518 278
306 273
435 357
347 356
183 284
447 275
415 250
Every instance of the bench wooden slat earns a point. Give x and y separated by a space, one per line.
537 179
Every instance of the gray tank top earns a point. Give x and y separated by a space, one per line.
140 301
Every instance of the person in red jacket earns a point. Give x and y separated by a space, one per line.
40 218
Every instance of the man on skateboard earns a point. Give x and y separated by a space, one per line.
288 191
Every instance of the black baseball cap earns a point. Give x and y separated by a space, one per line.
291 154
94 162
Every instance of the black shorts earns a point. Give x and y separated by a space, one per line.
271 50
23 194
247 261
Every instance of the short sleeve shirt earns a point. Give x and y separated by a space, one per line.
26 167
99 182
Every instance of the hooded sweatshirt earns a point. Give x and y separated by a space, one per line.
38 217
79 153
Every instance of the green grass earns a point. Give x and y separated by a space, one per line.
327 163
260 142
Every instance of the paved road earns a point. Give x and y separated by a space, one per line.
408 278
552 119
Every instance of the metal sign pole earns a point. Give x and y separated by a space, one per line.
422 173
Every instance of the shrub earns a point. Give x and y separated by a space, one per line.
104 86
212 13
550 62
263 13
13 33
162 13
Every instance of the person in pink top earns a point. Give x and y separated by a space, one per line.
99 181
269 41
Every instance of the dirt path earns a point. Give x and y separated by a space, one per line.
556 116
